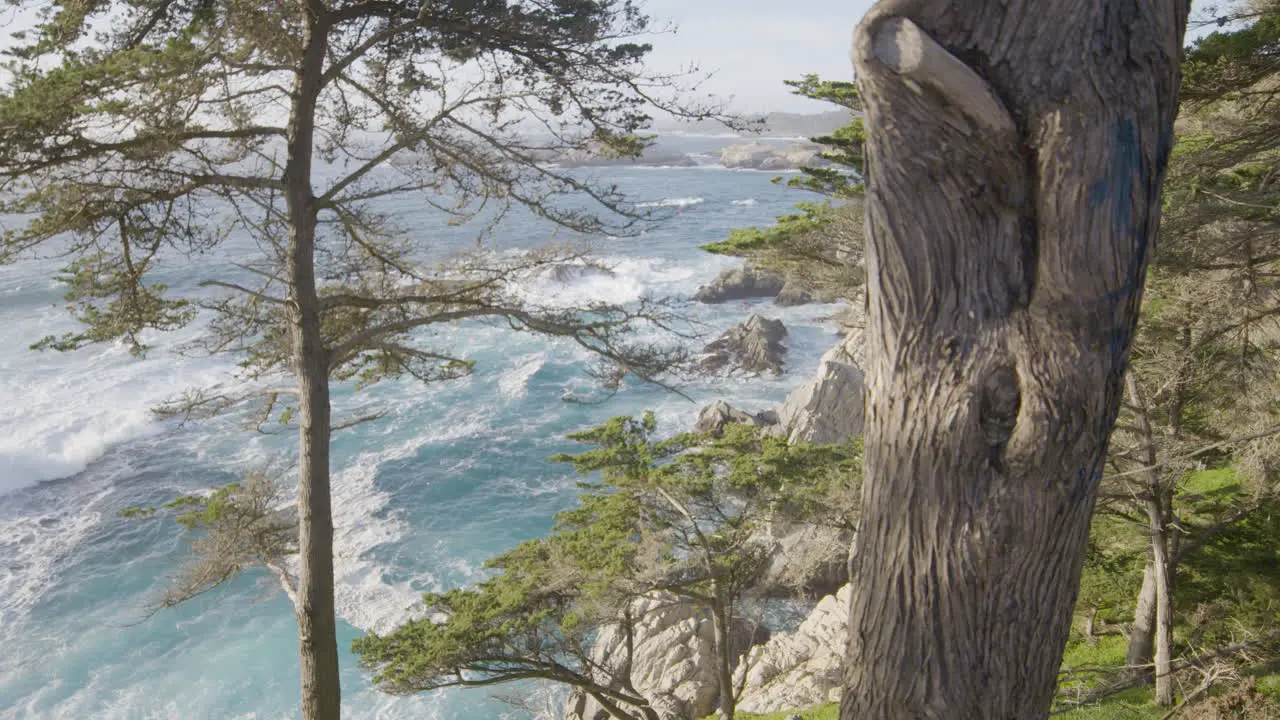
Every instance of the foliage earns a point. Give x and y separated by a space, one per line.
1222 63
668 518
233 528
843 147
128 161
822 242
1193 455
534 619
137 134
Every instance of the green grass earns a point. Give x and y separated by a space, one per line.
1208 481
830 711
1135 704
1270 684
1108 650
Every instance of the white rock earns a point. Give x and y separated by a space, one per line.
674 664
828 408
799 669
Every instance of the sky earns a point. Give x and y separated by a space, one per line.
753 45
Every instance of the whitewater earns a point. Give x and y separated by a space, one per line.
453 474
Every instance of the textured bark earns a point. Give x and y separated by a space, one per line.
317 636
1143 633
1164 610
1016 151
724 662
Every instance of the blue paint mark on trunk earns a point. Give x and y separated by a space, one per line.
1126 193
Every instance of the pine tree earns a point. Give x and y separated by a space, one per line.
821 243
133 132
672 520
1200 391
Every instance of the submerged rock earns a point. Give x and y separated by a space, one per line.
753 346
740 283
570 272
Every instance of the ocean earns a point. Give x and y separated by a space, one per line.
455 473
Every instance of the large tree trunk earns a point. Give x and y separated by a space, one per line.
317 635
1016 151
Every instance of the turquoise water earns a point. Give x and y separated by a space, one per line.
455 473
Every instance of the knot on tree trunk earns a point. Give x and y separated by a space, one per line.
998 411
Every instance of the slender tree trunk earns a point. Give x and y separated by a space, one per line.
1143 633
318 644
724 662
1164 609
1157 505
1016 151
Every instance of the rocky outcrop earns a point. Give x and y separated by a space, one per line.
740 283
745 282
674 660
760 156
713 418
798 292
674 664
828 408
753 346
807 560
802 668
793 293
849 318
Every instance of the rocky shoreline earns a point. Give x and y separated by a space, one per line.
777 671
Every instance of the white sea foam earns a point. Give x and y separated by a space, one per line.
513 383
748 202
63 411
681 202
622 280
363 521
374 705
34 548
